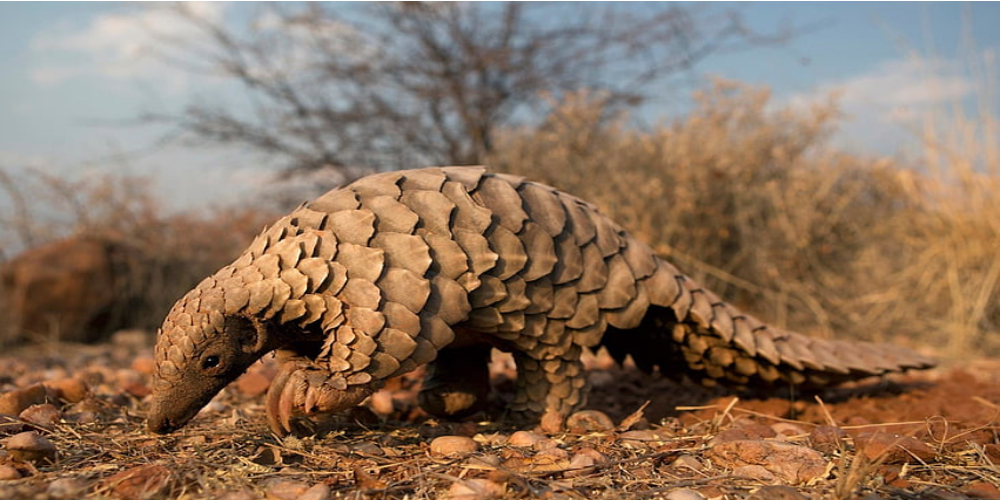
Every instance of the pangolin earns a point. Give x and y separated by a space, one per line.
439 265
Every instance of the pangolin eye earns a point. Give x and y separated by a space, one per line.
210 362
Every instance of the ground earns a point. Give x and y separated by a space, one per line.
80 433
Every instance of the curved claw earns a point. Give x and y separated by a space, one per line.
280 399
303 386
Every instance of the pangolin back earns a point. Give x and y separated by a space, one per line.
383 274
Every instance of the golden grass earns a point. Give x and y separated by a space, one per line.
754 203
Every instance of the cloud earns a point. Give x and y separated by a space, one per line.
883 106
118 46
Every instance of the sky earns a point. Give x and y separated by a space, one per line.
75 76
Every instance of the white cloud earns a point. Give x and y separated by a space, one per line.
118 46
885 105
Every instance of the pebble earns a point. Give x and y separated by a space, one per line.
71 390
687 461
253 384
777 492
145 365
16 401
524 439
31 447
640 438
685 494
317 491
827 438
475 489
587 421
67 487
144 481
44 415
452 446
893 448
793 464
581 464
381 402
285 489
8 473
788 430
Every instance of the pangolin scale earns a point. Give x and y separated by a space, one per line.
439 265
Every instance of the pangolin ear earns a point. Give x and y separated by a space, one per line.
250 335
261 336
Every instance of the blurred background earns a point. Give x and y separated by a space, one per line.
832 167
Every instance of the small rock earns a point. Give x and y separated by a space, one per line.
132 337
685 494
753 471
827 438
640 439
581 464
367 481
586 421
893 448
549 460
44 415
253 384
367 448
452 446
71 390
475 489
381 403
14 402
992 452
524 439
239 495
285 489
688 462
788 429
777 492
8 473
793 464
67 487
318 491
729 435
144 481
598 457
982 489
11 424
31 447
145 365
757 430
137 389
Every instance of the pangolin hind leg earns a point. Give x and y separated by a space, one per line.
551 387
457 383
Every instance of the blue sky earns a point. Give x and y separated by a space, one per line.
73 76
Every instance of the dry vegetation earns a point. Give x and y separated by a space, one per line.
749 200
756 205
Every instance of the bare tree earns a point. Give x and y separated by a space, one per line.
382 85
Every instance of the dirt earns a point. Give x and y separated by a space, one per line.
933 435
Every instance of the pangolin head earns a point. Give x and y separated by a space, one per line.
199 351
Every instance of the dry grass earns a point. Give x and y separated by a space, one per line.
166 253
754 203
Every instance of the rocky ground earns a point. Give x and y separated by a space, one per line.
71 424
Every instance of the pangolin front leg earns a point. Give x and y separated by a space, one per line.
307 388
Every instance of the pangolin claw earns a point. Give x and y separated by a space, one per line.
303 387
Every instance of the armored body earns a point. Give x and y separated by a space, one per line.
439 265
